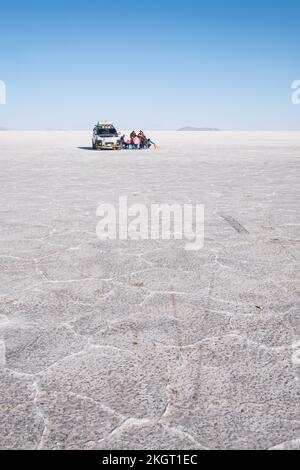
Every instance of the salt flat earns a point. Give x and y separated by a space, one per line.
142 344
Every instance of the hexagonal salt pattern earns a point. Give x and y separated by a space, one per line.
142 344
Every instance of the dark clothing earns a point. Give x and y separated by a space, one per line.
143 139
123 142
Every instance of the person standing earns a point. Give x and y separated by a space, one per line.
123 142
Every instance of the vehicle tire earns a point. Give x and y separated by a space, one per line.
94 146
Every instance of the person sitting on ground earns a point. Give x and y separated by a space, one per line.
136 142
132 135
150 142
143 140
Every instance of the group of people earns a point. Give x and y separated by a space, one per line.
136 141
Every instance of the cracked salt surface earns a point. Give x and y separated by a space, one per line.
140 345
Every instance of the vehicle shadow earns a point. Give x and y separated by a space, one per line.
85 148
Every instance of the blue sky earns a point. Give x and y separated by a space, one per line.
150 64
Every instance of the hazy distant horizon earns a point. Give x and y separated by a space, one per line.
148 129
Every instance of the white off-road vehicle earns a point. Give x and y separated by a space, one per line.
105 136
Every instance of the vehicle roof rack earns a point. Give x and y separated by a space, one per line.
105 123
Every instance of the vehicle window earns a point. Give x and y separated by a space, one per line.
107 131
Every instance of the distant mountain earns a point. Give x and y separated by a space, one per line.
2 129
199 129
